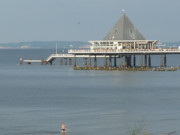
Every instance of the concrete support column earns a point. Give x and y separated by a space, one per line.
134 64
115 61
141 61
125 61
145 60
121 61
74 60
70 61
165 61
95 61
110 63
129 61
85 61
65 61
161 60
149 60
105 61
61 61
89 60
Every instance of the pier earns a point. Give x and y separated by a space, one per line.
120 47
128 57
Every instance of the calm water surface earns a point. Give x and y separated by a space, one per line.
35 99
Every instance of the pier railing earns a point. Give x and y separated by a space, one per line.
52 56
101 53
71 51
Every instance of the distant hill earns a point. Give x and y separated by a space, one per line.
171 44
65 45
45 45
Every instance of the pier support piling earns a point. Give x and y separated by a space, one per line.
134 64
110 63
125 61
145 60
95 61
165 61
105 62
74 61
129 61
149 60
42 61
46 61
161 61
70 61
115 61
85 61
141 61
121 61
21 61
61 61
65 61
89 60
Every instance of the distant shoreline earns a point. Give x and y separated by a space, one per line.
61 45
45 44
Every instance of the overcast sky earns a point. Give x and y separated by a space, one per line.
84 20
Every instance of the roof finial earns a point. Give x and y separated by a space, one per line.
123 10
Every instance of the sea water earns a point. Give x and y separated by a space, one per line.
36 99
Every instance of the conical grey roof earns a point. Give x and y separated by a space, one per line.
124 29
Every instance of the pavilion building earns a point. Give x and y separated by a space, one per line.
124 41
123 35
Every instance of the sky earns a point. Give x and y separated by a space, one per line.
84 20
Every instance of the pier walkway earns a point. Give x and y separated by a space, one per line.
54 56
109 53
124 51
34 61
127 58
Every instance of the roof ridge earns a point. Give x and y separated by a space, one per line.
124 29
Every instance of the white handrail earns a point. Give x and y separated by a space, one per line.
123 50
